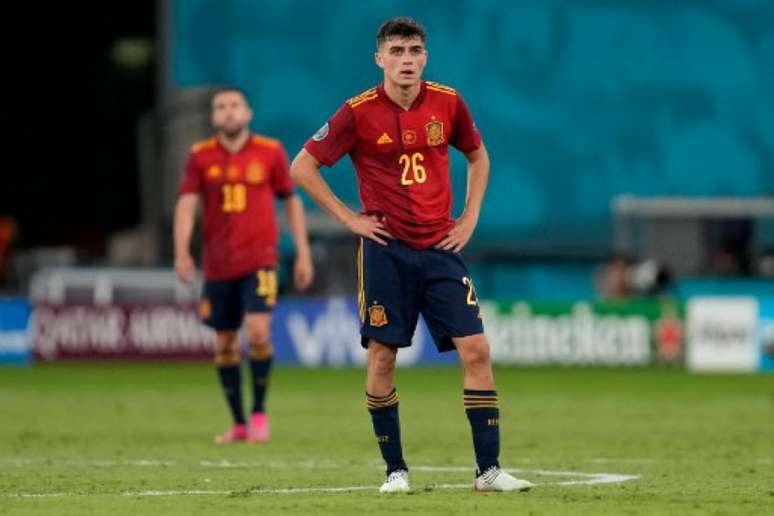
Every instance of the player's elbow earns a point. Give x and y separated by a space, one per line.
479 157
186 205
303 166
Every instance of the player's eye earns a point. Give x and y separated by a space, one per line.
396 51
416 51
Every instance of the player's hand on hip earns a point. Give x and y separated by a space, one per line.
369 226
303 272
185 268
459 236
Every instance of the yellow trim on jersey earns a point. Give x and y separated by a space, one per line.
438 85
209 143
360 102
366 93
443 90
265 140
360 282
364 97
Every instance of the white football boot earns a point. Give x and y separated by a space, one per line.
396 482
495 479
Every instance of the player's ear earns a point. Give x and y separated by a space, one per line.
378 59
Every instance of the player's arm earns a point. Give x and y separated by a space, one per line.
305 171
478 177
185 214
303 269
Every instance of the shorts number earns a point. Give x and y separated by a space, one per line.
472 298
234 198
412 163
267 286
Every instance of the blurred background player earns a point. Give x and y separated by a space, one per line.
237 175
398 137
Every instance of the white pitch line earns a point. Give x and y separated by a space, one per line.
600 478
586 479
580 478
41 495
307 464
97 463
285 490
290 490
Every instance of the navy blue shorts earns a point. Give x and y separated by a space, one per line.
225 302
396 283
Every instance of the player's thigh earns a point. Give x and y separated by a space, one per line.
258 291
450 306
388 293
221 307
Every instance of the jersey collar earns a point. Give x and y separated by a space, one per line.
240 150
394 106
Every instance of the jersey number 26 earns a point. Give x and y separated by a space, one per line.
412 164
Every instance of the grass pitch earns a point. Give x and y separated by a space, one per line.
137 439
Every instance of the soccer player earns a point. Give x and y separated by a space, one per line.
398 135
237 175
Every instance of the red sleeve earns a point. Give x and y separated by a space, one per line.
335 138
465 135
280 174
192 180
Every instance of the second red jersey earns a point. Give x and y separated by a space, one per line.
238 191
401 157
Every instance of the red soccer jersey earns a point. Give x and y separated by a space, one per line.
401 156
238 191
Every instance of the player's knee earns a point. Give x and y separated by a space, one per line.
476 354
257 329
227 351
261 350
381 360
257 335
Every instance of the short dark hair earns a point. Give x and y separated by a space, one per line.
402 27
229 89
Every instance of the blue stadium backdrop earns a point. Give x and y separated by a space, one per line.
578 101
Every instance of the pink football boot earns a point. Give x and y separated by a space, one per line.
259 431
238 433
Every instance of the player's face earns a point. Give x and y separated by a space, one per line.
403 60
230 113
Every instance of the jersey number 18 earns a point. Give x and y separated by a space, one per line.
234 197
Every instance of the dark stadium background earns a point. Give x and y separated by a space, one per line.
69 119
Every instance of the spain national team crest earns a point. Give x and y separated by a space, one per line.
377 316
409 137
255 173
434 132
214 172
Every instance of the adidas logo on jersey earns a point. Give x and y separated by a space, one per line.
384 138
